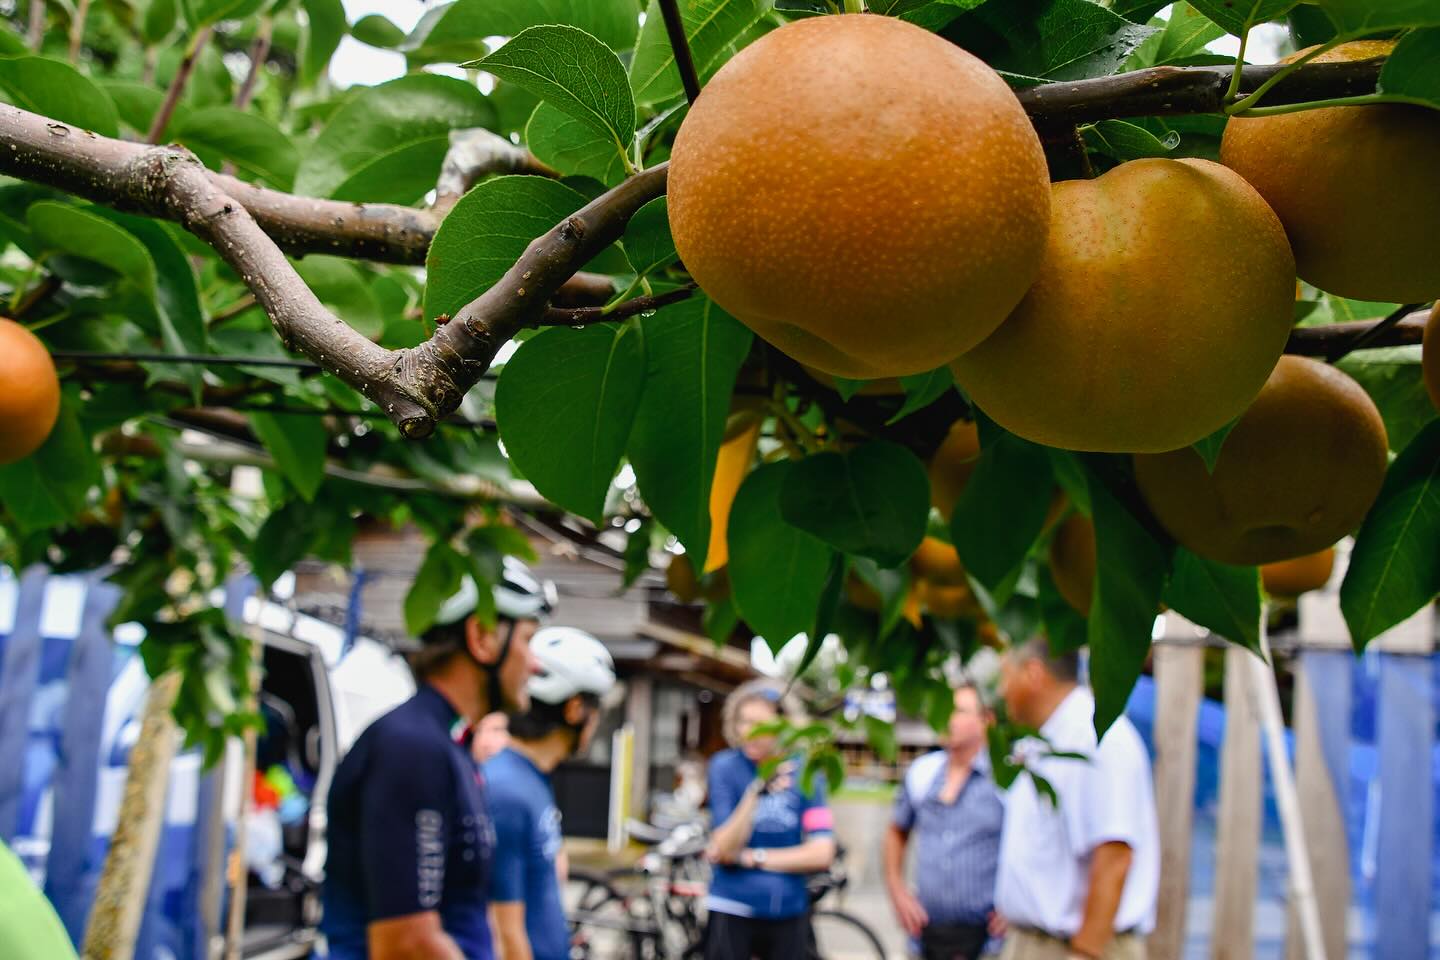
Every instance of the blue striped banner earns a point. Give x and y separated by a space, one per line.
88 675
18 677
1406 823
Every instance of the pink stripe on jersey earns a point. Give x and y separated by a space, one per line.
817 820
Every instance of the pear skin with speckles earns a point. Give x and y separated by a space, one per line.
1165 298
1358 189
1299 471
30 402
863 194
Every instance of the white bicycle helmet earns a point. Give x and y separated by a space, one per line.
518 596
570 661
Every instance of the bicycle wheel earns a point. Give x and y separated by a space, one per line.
610 930
841 936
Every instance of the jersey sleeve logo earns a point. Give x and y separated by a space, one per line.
430 857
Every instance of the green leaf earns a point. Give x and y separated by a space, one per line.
1236 16
345 289
135 103
1127 141
1130 568
1049 39
647 237
766 553
1413 68
1221 598
284 539
200 13
1391 375
387 142
847 388
572 147
1359 17
571 70
160 18
377 31
711 26
565 403
1395 566
881 736
693 351
873 500
50 486
60 92
176 304
1064 626
1209 447
1002 509
436 581
486 233
458 31
81 233
297 442
255 145
1185 34
324 31
933 15
923 389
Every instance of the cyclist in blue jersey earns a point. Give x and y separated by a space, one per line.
574 671
410 838
768 836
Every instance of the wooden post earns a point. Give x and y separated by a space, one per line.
1179 675
1287 798
125 879
639 713
1238 838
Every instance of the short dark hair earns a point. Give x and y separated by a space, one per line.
542 718
1060 664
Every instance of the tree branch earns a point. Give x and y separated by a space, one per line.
680 48
1170 91
177 86
1324 341
259 52
580 316
474 153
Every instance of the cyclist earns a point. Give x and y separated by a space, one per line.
410 838
769 835
574 671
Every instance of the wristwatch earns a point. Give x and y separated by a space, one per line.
757 858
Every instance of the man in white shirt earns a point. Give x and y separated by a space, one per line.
1078 881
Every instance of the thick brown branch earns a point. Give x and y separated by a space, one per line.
1168 91
474 153
580 316
1323 341
451 362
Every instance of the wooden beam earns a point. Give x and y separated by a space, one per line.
1179 678
1238 838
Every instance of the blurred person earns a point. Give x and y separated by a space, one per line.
492 734
767 836
949 803
410 837
1079 879
575 672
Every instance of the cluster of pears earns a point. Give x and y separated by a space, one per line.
873 201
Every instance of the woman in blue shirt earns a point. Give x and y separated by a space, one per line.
768 836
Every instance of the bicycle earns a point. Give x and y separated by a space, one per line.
651 911
665 918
